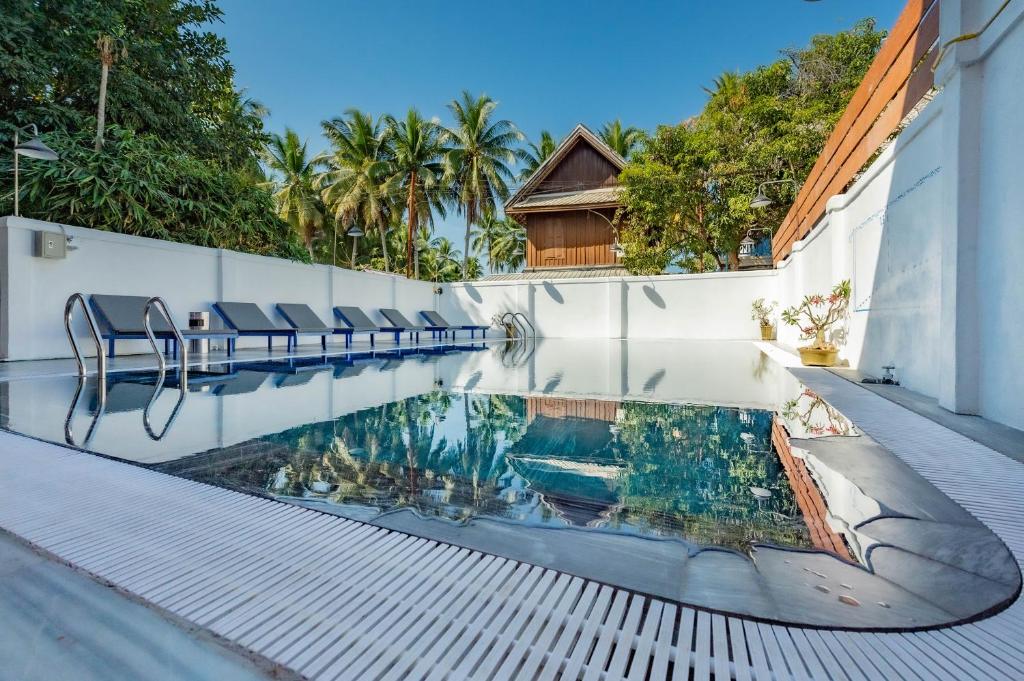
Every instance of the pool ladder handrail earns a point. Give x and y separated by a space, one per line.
94 331
161 306
525 322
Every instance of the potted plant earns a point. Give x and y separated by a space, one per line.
762 312
814 317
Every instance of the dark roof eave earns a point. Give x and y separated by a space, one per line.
563 209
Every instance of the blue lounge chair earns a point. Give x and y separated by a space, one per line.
121 318
356 321
248 320
437 320
396 318
302 318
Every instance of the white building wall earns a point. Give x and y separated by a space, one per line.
691 306
33 290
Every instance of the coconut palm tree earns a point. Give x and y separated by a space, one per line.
110 47
510 246
355 185
417 169
534 155
622 140
488 231
478 165
293 182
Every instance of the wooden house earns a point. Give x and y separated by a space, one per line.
567 207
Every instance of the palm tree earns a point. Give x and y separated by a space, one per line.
535 155
488 231
355 185
622 140
416 166
478 166
294 178
110 48
510 246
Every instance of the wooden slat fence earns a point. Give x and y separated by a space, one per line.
894 84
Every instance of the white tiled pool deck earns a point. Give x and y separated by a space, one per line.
336 599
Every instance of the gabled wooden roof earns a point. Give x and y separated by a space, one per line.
580 133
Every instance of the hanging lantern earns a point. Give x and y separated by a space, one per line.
747 247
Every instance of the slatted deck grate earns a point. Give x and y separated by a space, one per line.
336 599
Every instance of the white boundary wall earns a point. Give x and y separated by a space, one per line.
189 278
687 306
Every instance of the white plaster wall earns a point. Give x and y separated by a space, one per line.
1001 231
883 235
189 278
690 306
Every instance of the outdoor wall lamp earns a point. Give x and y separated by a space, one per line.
33 148
762 200
355 231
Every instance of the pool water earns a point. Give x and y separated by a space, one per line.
700 472
706 474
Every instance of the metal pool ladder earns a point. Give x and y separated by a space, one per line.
520 323
161 306
101 357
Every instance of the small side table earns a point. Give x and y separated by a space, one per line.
199 321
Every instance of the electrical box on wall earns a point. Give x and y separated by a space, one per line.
52 245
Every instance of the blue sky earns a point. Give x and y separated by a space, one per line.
549 64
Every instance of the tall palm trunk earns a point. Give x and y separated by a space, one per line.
383 245
101 112
465 252
409 246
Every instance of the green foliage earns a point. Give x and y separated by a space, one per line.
688 191
173 80
141 185
182 146
479 161
622 140
295 194
535 154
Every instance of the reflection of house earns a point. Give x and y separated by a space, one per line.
567 456
567 207
808 497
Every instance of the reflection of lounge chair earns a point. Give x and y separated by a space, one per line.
121 318
294 379
248 320
306 322
437 320
396 318
357 321
245 382
348 369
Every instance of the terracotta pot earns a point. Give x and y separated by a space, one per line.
767 332
817 357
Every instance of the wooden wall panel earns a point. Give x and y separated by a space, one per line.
895 82
582 168
568 239
560 408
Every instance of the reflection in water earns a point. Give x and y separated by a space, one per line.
702 473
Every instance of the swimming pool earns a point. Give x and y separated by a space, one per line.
661 467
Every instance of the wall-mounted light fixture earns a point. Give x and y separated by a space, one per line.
355 231
33 148
762 200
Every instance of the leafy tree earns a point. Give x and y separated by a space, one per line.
535 154
478 165
622 140
141 185
687 193
416 167
172 81
161 83
355 184
294 185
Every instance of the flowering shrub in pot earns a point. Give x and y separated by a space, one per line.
762 312
815 316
